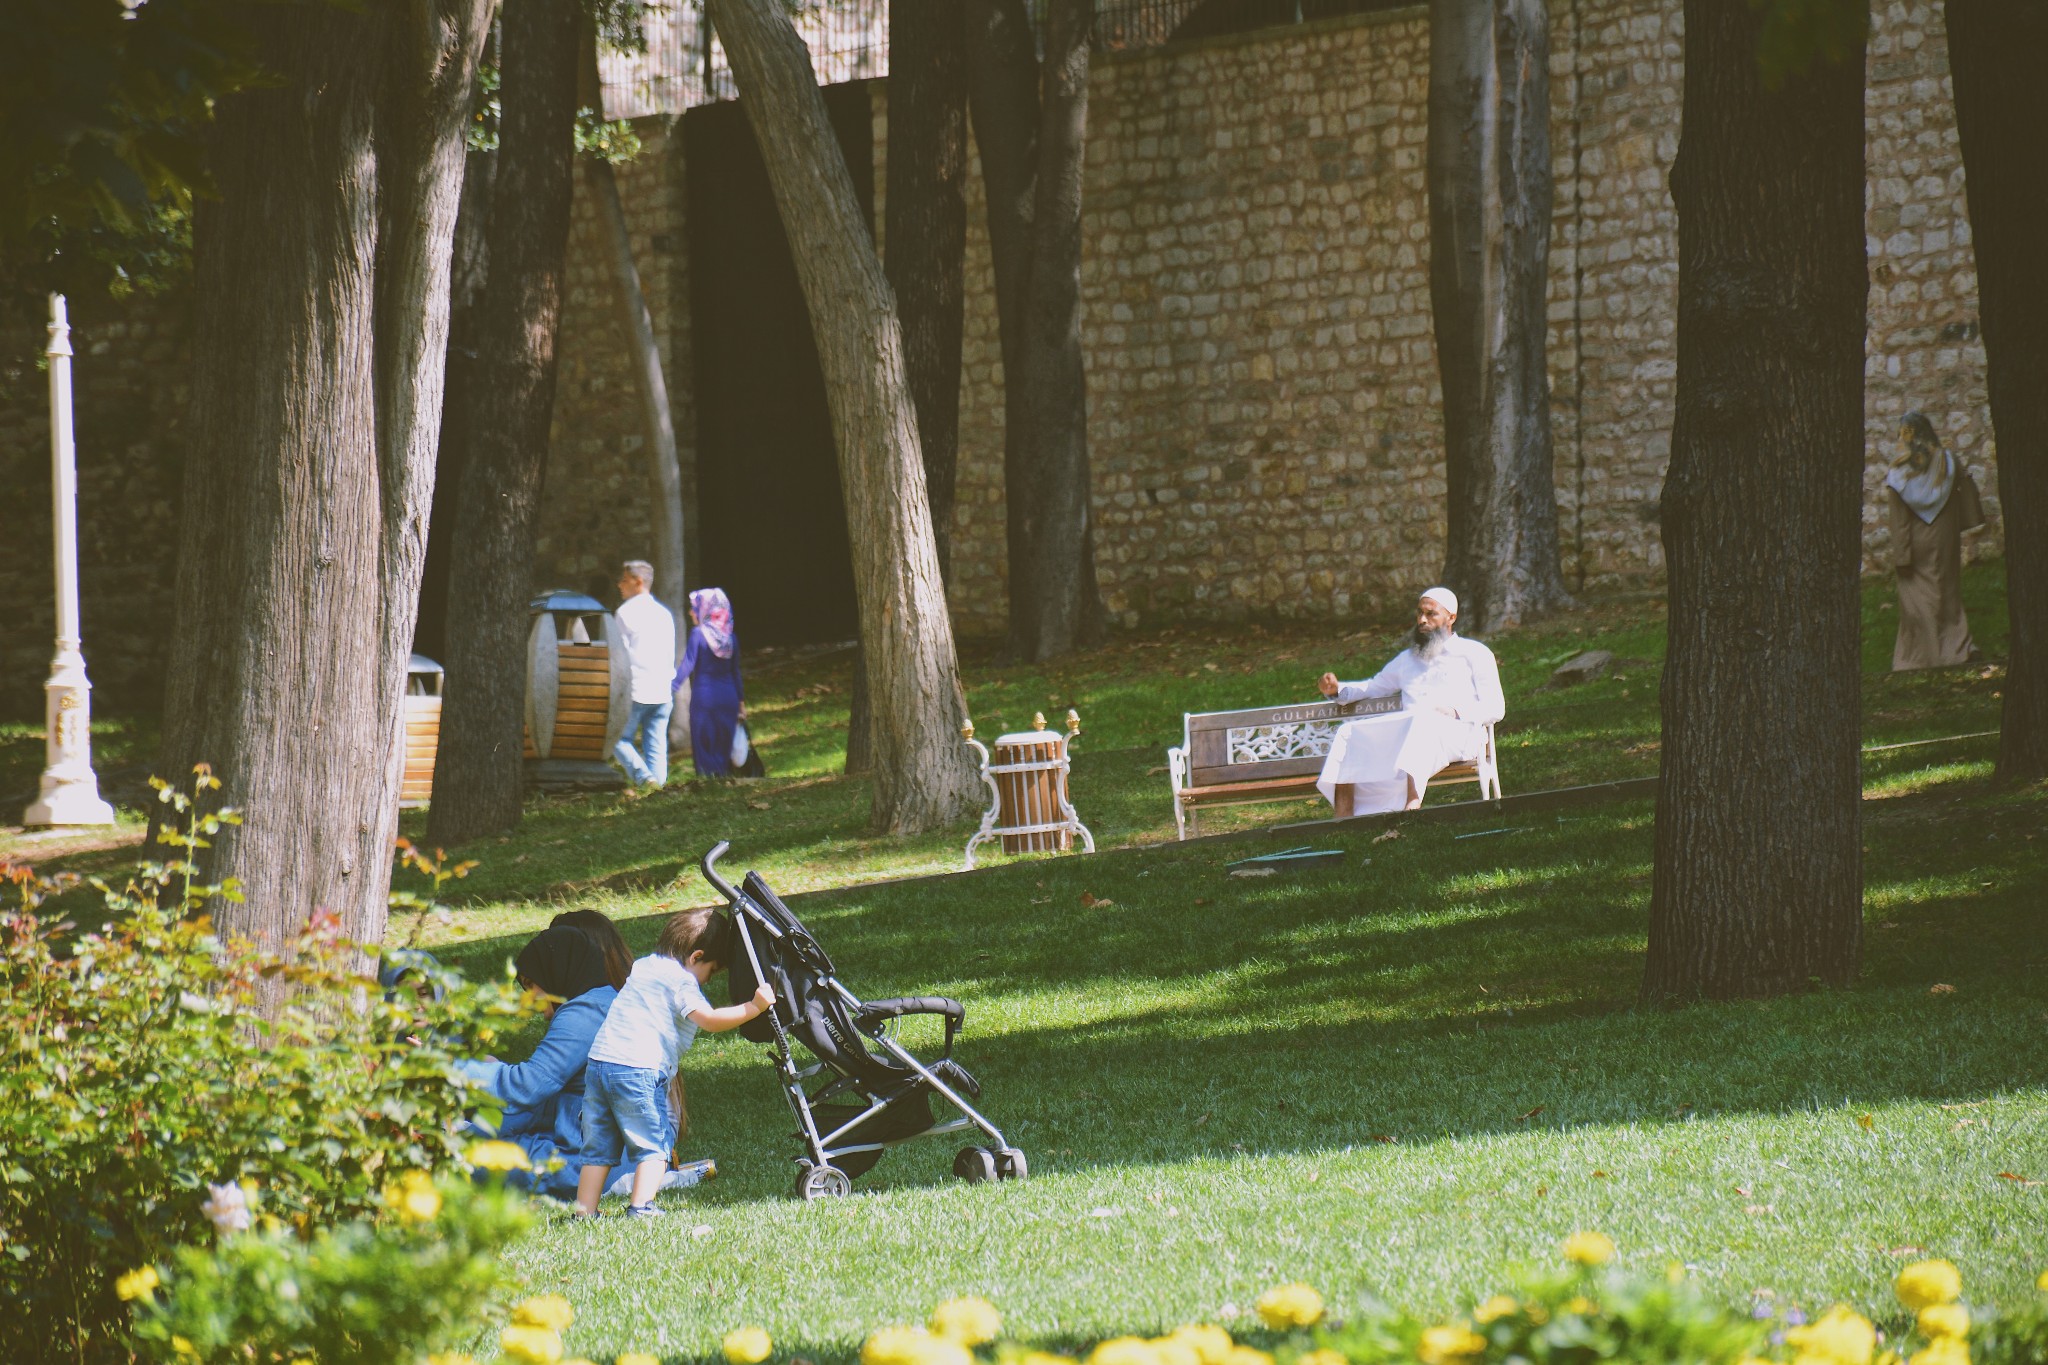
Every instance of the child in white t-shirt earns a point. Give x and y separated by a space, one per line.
649 1027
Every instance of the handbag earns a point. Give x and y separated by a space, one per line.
745 758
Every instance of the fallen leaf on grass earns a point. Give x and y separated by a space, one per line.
1213 668
1743 1190
1090 900
758 805
1755 1210
2019 1180
1382 1137
1941 988
1967 1104
1201 900
1524 1118
1865 1121
1390 834
1906 1251
1202 1120
1962 1123
1602 1175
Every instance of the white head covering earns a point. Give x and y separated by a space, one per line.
1444 598
1926 492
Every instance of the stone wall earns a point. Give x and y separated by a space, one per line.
595 512
1264 401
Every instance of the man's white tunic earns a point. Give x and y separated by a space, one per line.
1379 754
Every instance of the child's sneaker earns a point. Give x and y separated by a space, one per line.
645 1211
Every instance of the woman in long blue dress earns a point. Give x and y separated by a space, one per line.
711 661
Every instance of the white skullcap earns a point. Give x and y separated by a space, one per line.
1444 598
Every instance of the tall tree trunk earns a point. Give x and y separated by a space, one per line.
1030 125
319 338
1489 261
1066 609
1758 879
508 409
925 251
467 272
922 778
1002 65
1993 56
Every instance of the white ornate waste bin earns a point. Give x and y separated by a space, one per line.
1029 807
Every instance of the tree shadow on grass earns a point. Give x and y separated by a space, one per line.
1451 988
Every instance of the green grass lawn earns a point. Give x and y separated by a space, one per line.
1400 1075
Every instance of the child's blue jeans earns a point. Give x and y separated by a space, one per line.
624 1105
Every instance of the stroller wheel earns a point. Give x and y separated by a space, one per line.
1010 1164
822 1182
975 1164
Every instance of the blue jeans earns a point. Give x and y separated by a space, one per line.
643 750
624 1106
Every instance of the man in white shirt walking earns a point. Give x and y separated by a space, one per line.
1450 692
647 630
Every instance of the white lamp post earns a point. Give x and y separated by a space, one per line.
70 793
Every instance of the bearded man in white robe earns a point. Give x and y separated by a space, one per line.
1450 692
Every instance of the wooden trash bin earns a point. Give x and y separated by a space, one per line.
1029 806
1030 796
423 680
578 693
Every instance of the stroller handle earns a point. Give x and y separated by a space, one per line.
723 887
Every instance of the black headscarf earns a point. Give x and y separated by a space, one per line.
563 961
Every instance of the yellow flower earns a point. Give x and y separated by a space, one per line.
2042 1283
1579 1303
1451 1345
1290 1305
551 1311
1944 1320
1495 1308
1173 1351
1211 1345
1925 1283
535 1345
912 1346
637 1358
138 1284
413 1197
500 1156
1589 1248
969 1321
746 1346
1045 1358
1246 1355
451 1358
1943 1351
1124 1351
1326 1356
184 1347
1841 1337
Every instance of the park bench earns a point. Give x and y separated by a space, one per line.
1274 753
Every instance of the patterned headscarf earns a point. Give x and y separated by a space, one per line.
714 618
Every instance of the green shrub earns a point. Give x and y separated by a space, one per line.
384 1291
143 1066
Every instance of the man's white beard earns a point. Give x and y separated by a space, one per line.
1430 644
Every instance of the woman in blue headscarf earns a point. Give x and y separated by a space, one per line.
711 663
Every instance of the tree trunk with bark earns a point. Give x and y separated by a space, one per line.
922 777
1993 57
468 271
1489 262
319 337
1758 879
924 255
508 408
1030 124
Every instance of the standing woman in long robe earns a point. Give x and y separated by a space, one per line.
1932 500
711 661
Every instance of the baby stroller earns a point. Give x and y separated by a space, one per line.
875 1093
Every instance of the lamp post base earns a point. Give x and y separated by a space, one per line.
70 792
